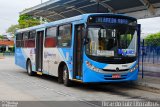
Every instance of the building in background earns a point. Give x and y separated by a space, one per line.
7 43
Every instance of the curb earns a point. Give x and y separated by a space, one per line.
146 87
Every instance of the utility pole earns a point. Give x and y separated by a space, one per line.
41 1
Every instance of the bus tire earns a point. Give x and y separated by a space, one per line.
60 79
29 68
60 74
66 80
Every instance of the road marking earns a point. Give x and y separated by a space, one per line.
58 92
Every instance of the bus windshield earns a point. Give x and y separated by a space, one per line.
112 41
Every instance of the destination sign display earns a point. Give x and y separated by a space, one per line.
109 20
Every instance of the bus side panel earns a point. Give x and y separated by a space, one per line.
66 55
51 61
20 57
30 54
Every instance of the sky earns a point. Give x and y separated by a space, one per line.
9 12
150 25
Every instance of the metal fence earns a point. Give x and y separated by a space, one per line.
150 51
150 57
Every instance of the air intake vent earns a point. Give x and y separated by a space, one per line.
109 70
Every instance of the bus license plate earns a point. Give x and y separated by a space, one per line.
116 76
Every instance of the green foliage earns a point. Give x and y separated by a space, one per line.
153 36
153 39
28 21
1 37
12 29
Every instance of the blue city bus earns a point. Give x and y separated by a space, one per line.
89 48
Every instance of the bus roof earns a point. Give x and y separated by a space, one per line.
69 20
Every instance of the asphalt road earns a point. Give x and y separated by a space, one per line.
16 85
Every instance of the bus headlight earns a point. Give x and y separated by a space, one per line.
92 67
134 68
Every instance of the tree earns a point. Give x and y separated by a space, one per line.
153 39
12 29
28 21
1 37
24 22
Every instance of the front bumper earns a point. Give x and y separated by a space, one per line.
90 76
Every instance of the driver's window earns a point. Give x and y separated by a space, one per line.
93 35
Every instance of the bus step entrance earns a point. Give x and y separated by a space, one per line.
78 80
39 73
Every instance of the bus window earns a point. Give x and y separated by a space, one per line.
50 39
22 40
25 35
31 39
25 39
64 35
18 40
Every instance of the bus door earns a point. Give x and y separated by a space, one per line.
39 50
78 51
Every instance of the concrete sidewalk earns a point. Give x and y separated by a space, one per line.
149 82
148 68
151 77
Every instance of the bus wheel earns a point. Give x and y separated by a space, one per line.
66 80
29 68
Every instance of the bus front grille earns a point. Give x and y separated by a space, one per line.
110 70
